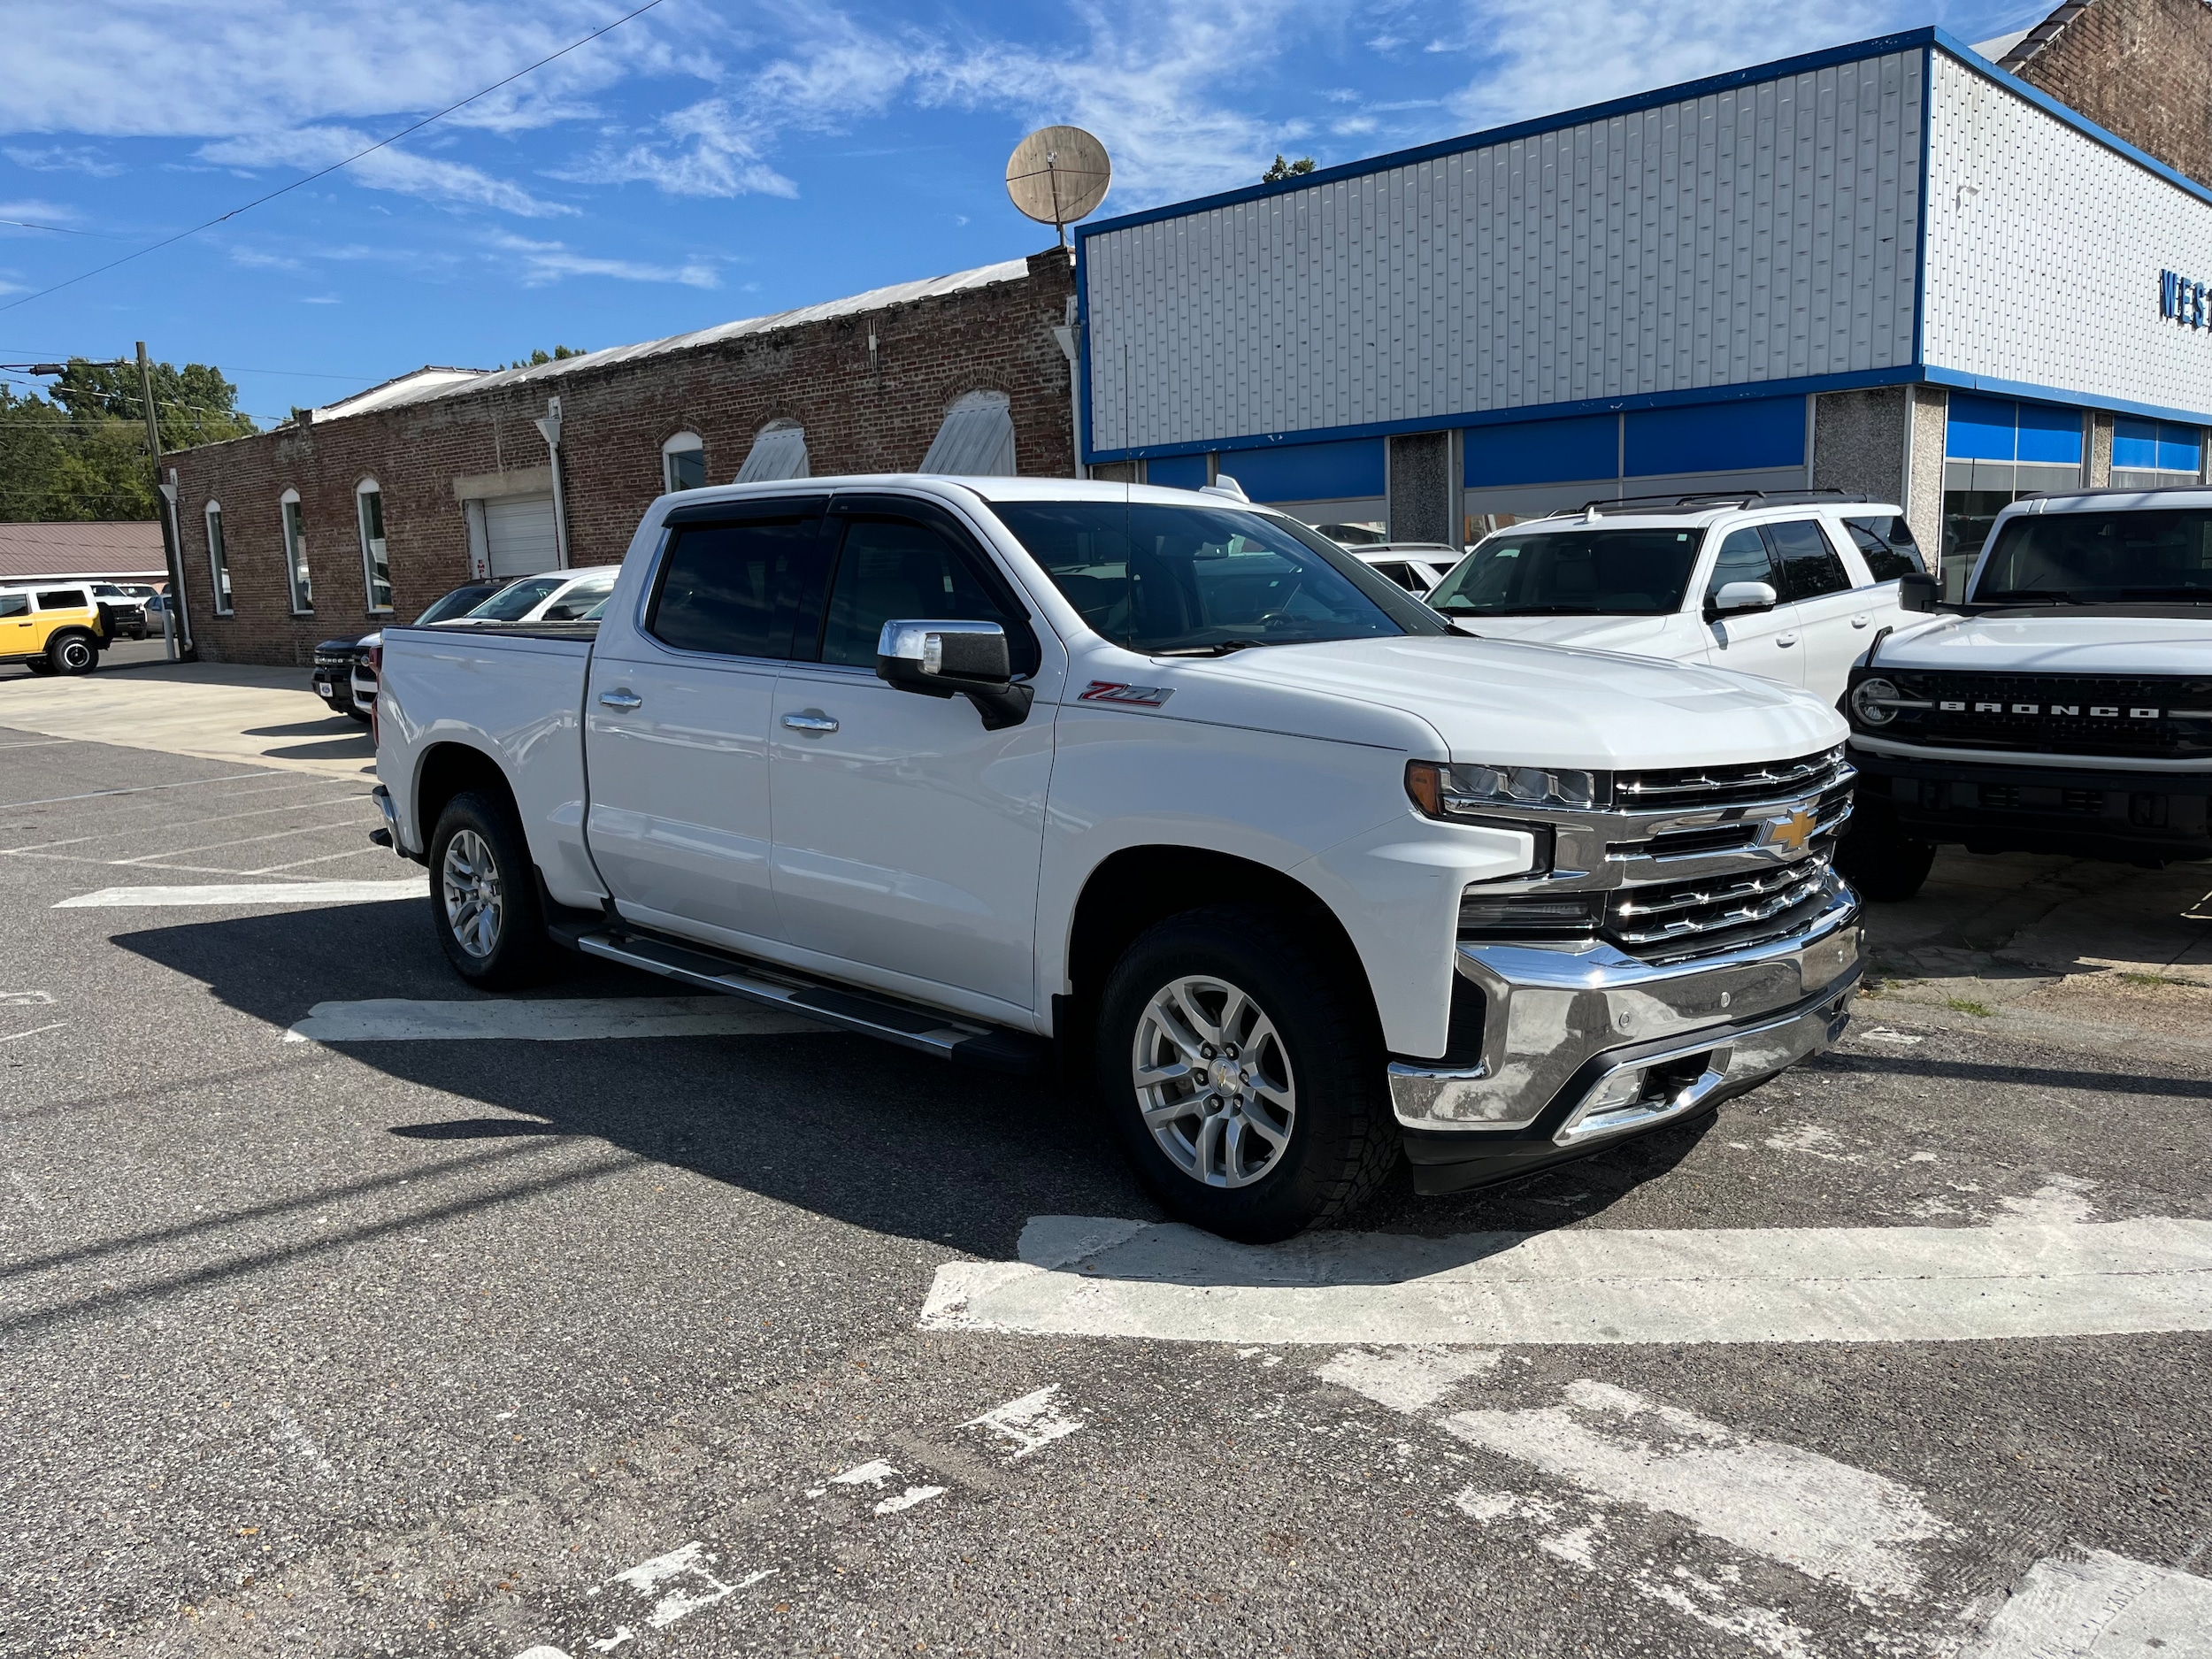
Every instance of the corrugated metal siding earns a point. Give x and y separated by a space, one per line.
2046 273
1760 233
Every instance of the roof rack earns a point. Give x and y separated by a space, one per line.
1714 498
2108 489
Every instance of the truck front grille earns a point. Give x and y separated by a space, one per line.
1692 788
1673 920
2062 714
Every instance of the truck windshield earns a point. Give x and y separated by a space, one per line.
517 600
1202 581
2110 558
1581 572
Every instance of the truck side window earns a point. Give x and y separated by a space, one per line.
15 605
897 569
721 587
1743 559
1887 546
63 599
1811 567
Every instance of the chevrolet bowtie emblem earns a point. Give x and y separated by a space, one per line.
1792 832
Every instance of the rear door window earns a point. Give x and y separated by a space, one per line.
15 605
1810 563
725 587
63 599
1887 546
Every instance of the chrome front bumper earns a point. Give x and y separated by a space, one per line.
1580 1045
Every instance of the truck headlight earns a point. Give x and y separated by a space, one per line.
1876 702
1469 790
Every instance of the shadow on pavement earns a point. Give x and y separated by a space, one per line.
848 1127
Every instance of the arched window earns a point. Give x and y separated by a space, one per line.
295 574
376 564
218 560
684 462
977 439
778 451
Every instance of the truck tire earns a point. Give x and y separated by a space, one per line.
1880 859
72 654
484 895
1243 1077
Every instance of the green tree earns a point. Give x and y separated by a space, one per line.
541 356
80 453
1283 169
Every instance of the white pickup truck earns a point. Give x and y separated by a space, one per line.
2064 707
1166 782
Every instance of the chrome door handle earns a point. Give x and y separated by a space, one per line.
1785 638
621 697
812 720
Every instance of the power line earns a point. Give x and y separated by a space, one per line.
326 171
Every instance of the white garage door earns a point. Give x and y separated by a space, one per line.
520 536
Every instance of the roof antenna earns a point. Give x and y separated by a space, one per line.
1590 513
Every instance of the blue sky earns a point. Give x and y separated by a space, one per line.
712 158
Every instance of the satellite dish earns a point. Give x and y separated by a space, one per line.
1057 175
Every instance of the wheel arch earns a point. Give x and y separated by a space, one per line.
1136 888
450 769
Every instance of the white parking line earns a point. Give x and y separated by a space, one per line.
2035 1273
2103 1605
577 1019
144 788
1032 1422
253 892
34 1030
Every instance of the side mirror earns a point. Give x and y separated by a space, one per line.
1742 596
944 659
1917 590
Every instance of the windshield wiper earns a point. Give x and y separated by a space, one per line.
2200 596
1221 647
2014 596
1547 611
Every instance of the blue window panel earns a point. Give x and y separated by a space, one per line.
1731 437
1981 428
2180 448
2134 442
2050 434
1341 470
1544 451
1176 472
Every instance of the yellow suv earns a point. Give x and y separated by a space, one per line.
60 630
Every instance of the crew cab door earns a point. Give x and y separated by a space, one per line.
1764 642
676 719
907 836
17 627
1835 607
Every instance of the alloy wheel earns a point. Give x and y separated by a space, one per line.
1213 1081
469 879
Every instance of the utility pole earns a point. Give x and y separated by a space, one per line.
165 507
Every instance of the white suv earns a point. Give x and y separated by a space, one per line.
1792 587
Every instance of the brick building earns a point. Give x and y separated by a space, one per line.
2140 69
369 508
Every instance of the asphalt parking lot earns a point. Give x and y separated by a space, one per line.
348 1312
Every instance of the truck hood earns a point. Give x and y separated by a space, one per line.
1500 701
2054 643
1634 634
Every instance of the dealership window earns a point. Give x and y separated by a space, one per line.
684 462
778 451
1994 451
296 556
218 560
2149 453
376 564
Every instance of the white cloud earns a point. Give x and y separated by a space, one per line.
254 259
65 158
45 212
545 262
1541 56
396 169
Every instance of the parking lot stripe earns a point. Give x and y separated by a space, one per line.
2028 1275
580 1019
142 788
2103 1605
253 892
